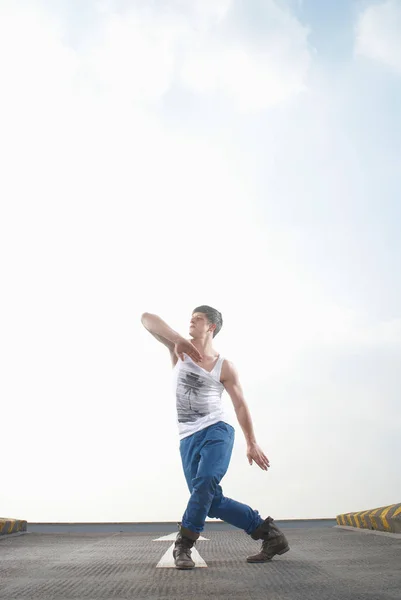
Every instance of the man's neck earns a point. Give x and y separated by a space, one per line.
205 347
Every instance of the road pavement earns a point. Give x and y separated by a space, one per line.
325 563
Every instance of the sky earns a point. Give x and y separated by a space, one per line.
161 155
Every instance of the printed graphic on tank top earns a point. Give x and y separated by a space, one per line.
198 394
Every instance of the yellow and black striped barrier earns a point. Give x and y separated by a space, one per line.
385 518
12 526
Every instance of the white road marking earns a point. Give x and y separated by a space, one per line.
172 536
167 560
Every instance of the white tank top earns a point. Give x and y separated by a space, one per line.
198 396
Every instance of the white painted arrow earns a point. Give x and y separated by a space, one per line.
167 560
172 536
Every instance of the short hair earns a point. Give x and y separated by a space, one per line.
213 316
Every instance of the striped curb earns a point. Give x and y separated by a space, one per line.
11 526
385 518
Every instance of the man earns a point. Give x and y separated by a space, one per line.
207 436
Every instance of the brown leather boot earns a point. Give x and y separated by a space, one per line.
182 548
274 541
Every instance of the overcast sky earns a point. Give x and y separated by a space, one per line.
160 155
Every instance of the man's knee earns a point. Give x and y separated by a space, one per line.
206 484
214 510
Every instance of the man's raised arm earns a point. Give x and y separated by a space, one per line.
170 338
157 327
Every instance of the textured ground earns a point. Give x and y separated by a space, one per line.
324 563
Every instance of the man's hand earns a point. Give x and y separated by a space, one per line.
255 453
185 346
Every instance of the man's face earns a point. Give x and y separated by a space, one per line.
199 325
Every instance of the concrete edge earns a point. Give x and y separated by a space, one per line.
369 531
169 523
9 526
13 535
385 518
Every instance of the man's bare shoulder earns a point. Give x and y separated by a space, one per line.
228 370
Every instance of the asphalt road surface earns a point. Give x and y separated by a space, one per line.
323 563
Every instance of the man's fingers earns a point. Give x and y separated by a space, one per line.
263 464
260 459
196 355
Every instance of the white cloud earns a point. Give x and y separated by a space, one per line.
33 59
378 33
204 11
252 71
139 54
205 47
132 56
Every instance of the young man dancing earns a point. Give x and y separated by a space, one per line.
207 436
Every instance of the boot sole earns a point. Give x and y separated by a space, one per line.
269 559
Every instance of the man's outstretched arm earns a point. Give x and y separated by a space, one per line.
170 338
160 330
232 384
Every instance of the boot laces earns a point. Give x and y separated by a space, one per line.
184 545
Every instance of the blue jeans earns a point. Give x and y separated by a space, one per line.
205 458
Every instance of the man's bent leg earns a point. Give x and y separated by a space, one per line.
243 516
235 513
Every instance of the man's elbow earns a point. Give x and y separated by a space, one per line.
145 318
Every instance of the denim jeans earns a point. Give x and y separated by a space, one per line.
205 458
